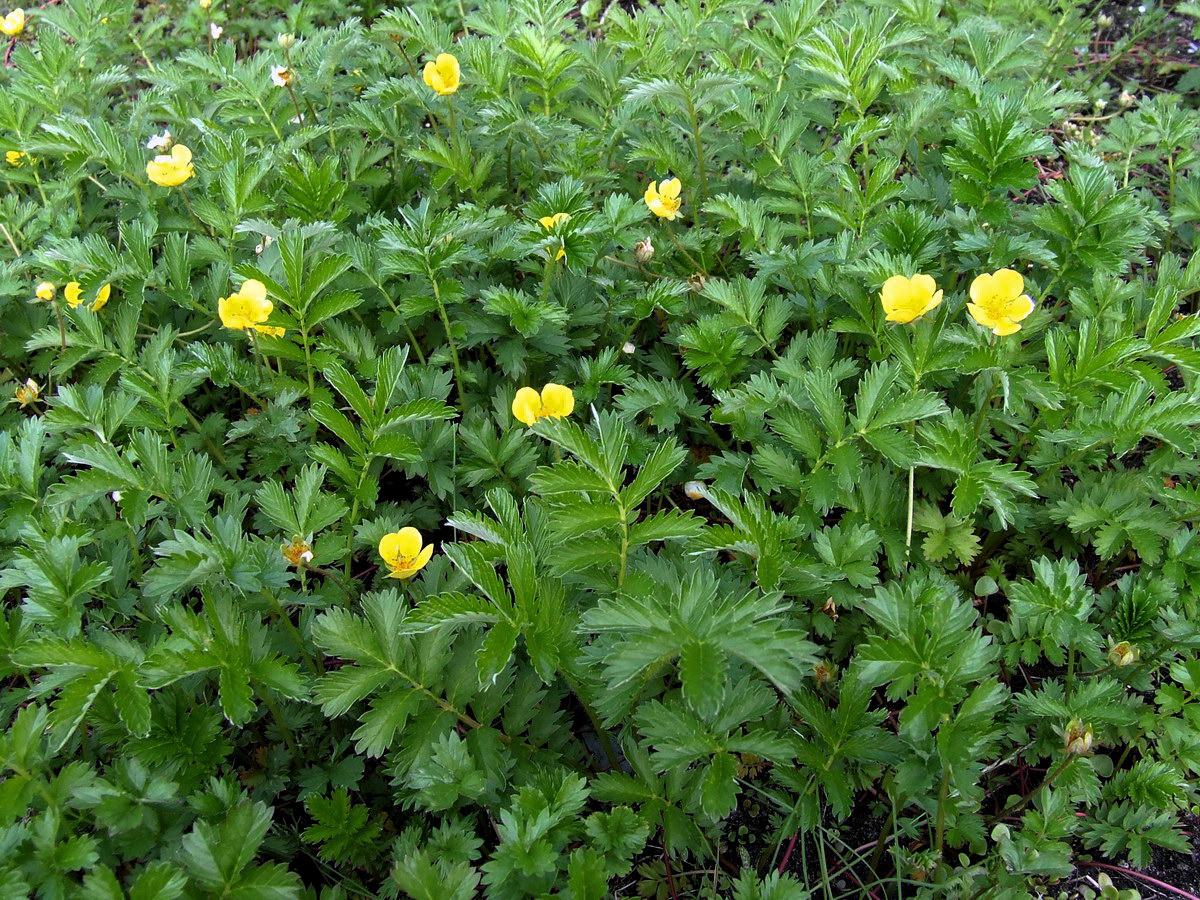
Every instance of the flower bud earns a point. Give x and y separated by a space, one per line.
643 251
205 4
1078 738
629 347
694 490
824 672
1105 20
1126 99
1123 654
286 41
830 609
45 291
116 496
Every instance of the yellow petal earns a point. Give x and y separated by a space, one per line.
981 286
557 400
73 293
895 294
400 546
1008 284
651 194
670 188
181 154
101 297
526 405
546 222
253 289
1006 327
1019 308
924 284
932 303
431 75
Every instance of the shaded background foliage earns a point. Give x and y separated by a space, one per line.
688 642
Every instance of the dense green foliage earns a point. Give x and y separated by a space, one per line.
788 579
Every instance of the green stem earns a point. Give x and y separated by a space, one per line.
288 737
943 792
674 240
286 620
458 379
700 168
610 746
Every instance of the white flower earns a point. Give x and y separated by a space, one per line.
629 348
281 76
116 495
306 556
160 141
215 31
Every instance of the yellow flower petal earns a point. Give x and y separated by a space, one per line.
669 189
527 405
557 401
400 546
1007 283
101 298
73 293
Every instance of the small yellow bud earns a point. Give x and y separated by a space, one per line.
45 291
286 41
205 4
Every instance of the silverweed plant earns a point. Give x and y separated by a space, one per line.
536 449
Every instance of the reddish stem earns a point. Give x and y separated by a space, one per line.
1146 878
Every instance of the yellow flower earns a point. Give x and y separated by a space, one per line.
404 552
248 307
443 74
101 298
205 4
171 170
14 23
997 301
663 199
45 291
549 223
555 401
73 291
27 394
16 158
905 299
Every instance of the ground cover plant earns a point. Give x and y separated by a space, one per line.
522 449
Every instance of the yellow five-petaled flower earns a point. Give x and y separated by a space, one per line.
14 23
404 552
997 301
549 222
248 307
173 169
73 291
443 74
663 199
554 402
905 299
